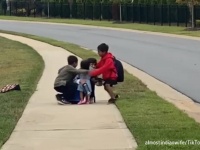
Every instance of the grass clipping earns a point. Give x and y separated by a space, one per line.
155 123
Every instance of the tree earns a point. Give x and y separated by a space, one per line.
4 6
191 4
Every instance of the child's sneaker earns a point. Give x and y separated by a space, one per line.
91 101
111 101
61 99
63 102
117 96
82 102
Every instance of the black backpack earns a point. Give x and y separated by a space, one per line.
120 70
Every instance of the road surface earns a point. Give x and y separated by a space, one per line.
174 61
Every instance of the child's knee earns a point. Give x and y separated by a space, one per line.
106 87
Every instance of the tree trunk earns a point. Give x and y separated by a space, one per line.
193 21
70 6
115 11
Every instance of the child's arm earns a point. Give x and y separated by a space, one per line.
97 65
78 71
108 63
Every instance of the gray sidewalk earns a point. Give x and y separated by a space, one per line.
45 125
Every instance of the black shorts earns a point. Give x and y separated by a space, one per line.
110 82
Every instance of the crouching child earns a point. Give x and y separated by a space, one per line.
64 82
111 70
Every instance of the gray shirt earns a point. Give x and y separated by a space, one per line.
66 74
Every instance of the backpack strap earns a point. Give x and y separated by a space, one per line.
113 70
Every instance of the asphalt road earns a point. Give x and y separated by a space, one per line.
174 61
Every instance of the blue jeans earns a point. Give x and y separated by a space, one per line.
69 92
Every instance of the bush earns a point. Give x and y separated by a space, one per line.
19 12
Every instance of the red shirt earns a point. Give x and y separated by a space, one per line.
106 67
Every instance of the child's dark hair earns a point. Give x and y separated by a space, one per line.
72 59
85 64
92 60
103 47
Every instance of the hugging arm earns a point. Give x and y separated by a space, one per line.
102 69
78 71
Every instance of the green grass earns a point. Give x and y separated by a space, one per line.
148 116
18 64
133 26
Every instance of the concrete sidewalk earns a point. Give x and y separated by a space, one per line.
45 125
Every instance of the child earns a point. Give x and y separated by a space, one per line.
93 63
85 86
94 80
107 68
64 81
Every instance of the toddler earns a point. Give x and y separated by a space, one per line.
85 85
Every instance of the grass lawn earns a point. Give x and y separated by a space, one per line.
18 64
148 116
133 26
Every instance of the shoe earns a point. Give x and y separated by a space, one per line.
111 101
91 101
82 102
63 102
59 97
117 96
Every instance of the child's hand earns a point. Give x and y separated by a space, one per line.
82 81
94 80
92 65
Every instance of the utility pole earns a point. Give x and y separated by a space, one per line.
8 5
